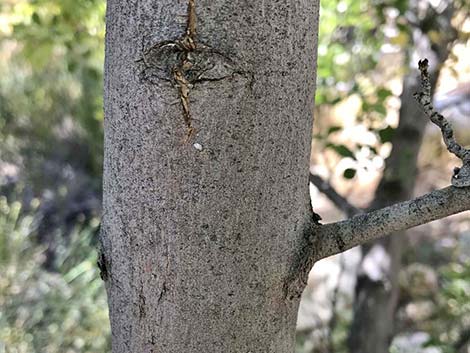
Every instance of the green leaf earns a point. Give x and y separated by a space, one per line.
335 100
342 150
36 19
366 107
386 134
380 109
349 173
384 93
333 129
373 150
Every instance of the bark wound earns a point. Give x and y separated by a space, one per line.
185 62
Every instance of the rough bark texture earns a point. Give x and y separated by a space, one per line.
334 238
207 138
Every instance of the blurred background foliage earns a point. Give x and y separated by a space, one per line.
367 51
51 87
51 59
45 311
51 296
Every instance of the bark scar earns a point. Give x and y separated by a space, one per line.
188 44
171 59
186 61
184 88
189 40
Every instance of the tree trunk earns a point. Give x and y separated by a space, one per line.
208 113
207 233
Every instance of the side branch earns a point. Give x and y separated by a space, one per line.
337 237
461 177
339 201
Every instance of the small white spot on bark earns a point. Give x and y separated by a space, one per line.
198 146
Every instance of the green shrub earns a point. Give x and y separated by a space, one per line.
63 312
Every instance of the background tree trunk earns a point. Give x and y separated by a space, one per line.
376 299
207 138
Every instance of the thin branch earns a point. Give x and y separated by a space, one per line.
339 201
461 177
334 238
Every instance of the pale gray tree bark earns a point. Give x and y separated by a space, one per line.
207 234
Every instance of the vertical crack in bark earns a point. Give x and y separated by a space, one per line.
191 24
188 44
184 88
142 302
162 292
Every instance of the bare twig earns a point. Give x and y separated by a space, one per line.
339 201
461 177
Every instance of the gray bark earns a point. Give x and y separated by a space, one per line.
207 233
200 229
334 238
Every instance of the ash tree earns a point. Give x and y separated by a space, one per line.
208 233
